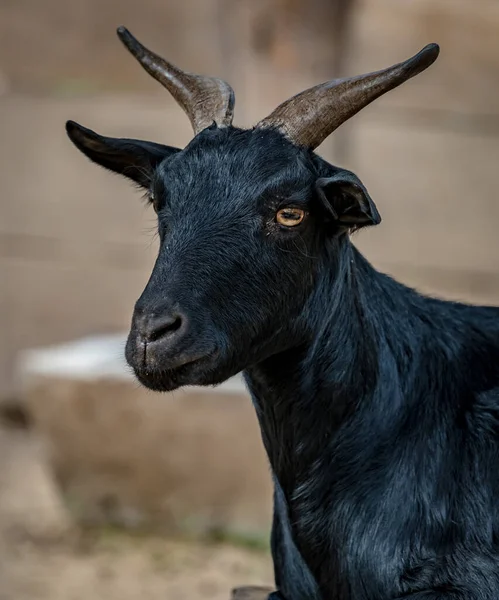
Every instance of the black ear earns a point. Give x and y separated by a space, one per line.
134 159
347 200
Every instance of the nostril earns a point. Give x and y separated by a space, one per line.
163 328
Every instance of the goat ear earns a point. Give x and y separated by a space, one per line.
347 200
134 159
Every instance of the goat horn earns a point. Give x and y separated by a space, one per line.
309 117
204 99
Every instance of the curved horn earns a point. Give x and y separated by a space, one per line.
204 99
309 117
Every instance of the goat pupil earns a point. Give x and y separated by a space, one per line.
292 214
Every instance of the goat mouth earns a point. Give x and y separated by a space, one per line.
196 372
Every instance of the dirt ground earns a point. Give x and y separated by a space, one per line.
41 560
125 568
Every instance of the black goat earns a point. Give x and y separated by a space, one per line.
379 408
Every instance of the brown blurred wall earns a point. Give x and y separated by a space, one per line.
75 243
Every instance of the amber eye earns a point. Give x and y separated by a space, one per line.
290 217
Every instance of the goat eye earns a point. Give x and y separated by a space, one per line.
154 202
290 217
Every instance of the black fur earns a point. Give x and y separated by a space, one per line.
379 408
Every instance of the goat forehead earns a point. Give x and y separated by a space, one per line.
218 171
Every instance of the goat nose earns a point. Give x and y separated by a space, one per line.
168 327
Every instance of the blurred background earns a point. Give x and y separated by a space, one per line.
110 491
